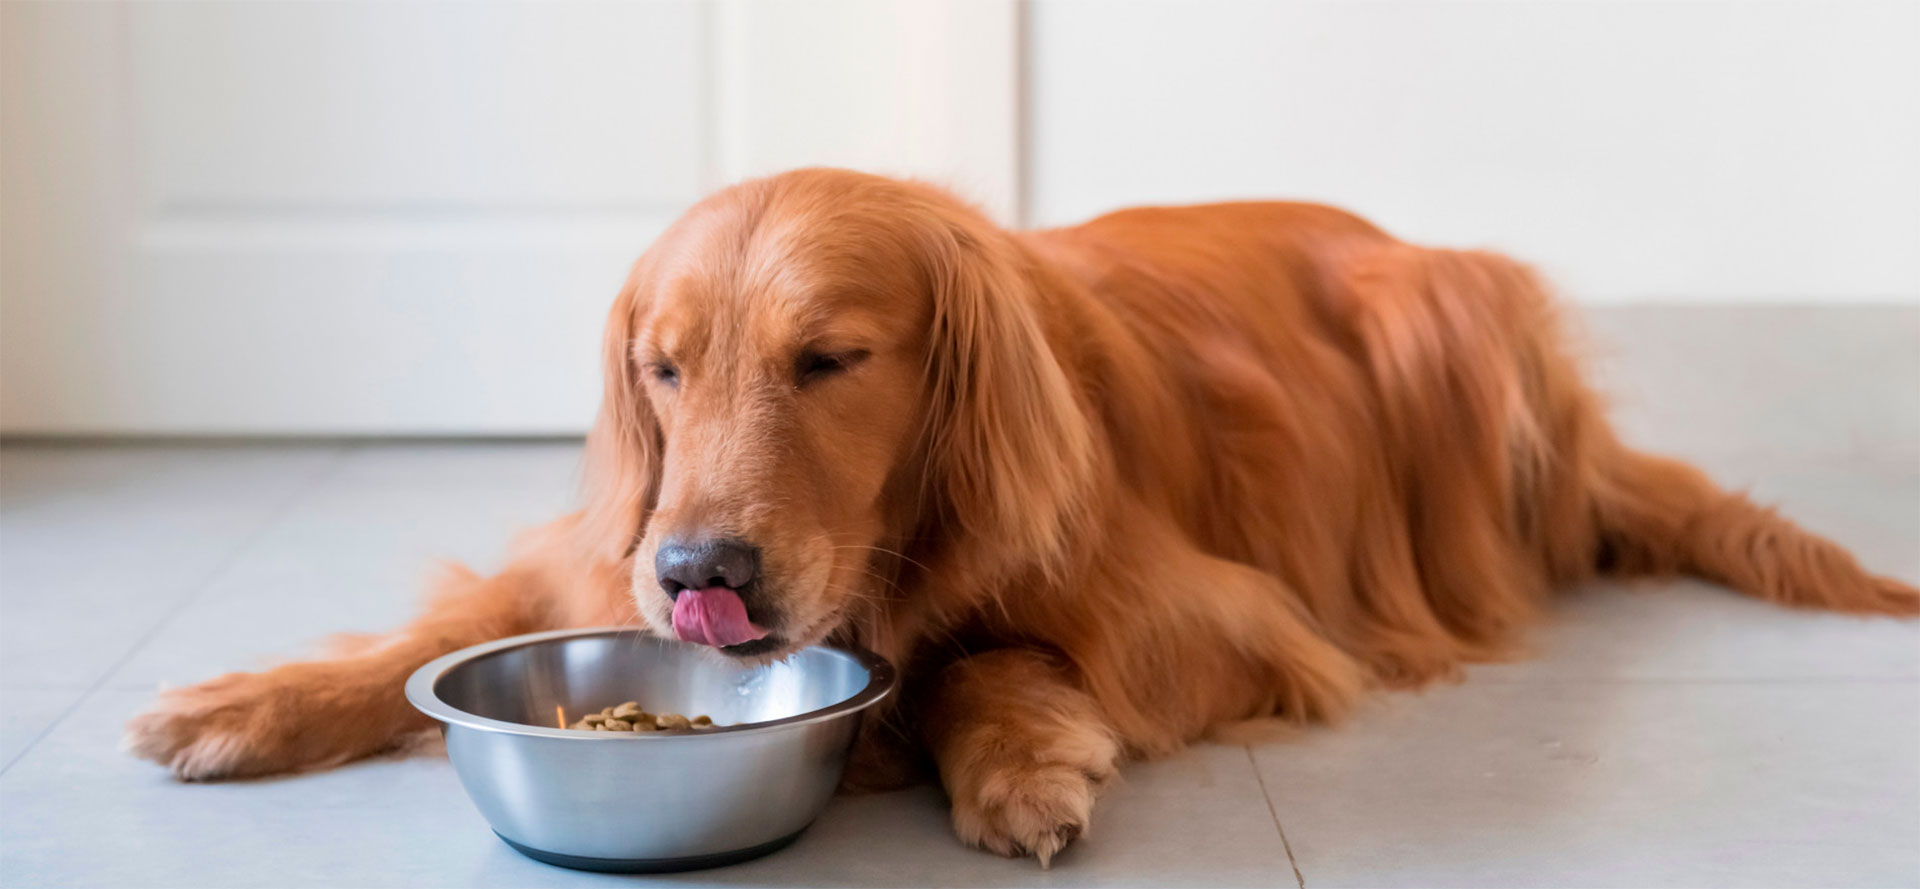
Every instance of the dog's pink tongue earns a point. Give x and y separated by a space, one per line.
713 616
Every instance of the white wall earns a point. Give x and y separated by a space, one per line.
1636 151
926 88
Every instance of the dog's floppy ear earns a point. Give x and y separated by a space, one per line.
1010 446
622 475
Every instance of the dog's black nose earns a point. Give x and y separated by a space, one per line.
721 562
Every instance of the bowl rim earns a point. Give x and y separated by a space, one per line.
882 679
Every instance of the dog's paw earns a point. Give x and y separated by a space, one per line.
1031 809
221 728
245 725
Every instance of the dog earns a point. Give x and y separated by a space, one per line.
1096 490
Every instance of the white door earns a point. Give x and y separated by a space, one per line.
401 218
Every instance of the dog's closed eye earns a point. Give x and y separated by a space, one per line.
814 365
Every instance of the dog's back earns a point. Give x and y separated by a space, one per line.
1400 433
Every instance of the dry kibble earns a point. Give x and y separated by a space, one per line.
628 717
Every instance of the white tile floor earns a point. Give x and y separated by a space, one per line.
1671 734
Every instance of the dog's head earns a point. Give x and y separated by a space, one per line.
806 372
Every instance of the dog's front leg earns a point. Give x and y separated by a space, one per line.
319 713
1021 750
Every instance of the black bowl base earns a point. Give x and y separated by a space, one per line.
652 865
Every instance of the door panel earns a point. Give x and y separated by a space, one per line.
353 218
409 107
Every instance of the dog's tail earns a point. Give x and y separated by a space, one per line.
1657 516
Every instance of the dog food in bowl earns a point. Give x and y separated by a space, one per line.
628 717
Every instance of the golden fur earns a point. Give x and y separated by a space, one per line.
1096 489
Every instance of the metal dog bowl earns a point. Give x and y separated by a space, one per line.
653 801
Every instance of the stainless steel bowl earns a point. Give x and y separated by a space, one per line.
657 801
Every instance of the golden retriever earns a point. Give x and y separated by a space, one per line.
1095 489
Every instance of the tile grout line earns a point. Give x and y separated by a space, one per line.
278 512
1301 881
